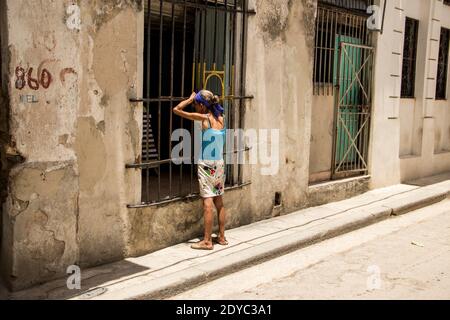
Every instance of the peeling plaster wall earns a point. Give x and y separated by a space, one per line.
73 67
108 128
42 210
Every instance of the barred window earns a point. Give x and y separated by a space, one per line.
409 58
189 45
442 70
337 21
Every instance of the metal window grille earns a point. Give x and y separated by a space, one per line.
409 58
189 45
442 71
337 21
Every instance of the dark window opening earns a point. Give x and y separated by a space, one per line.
409 58
442 71
189 45
278 198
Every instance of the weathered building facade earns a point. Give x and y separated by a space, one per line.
88 86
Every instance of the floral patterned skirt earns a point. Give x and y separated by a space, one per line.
211 178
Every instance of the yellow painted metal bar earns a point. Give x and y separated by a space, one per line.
193 77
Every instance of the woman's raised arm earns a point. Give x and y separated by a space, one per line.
179 110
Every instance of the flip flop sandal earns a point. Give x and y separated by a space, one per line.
216 240
200 246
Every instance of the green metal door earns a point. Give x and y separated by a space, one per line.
349 92
352 80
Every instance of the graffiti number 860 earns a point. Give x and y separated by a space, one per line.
25 77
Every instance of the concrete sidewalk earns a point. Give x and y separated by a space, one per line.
178 268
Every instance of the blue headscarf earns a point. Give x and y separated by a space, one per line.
216 109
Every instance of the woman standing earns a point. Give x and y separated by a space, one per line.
211 165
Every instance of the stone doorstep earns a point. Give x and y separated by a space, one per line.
269 239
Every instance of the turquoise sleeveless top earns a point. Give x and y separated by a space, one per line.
213 142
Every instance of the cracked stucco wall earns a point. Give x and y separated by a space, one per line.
72 68
67 200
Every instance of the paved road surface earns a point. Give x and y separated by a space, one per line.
407 257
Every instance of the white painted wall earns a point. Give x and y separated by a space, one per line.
410 137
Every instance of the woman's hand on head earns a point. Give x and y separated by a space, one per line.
185 103
192 97
179 110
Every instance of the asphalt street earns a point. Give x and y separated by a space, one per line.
406 257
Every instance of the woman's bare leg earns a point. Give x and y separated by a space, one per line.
209 219
218 202
206 243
